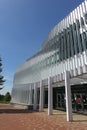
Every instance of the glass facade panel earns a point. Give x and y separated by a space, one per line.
61 47
78 36
78 23
85 18
81 43
65 45
85 38
82 22
71 41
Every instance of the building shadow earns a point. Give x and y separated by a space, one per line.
62 114
16 111
79 120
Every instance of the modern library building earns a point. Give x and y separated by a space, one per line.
56 76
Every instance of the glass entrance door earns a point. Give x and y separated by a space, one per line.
58 100
61 101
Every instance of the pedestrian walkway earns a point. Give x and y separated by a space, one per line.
18 119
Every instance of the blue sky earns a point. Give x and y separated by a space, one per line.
24 24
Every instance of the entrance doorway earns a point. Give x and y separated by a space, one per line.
61 101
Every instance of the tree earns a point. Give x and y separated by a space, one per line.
7 97
1 77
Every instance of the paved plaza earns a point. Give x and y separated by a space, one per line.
17 119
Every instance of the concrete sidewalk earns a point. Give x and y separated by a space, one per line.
17 119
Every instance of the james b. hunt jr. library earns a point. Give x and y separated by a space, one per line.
56 76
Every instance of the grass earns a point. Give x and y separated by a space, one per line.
3 101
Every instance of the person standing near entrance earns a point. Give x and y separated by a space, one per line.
78 103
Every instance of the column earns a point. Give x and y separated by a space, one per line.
27 93
30 95
41 97
68 96
50 97
35 97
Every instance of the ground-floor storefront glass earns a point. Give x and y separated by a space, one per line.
78 94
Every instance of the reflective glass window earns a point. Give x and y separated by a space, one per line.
82 22
85 18
78 23
74 26
85 38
